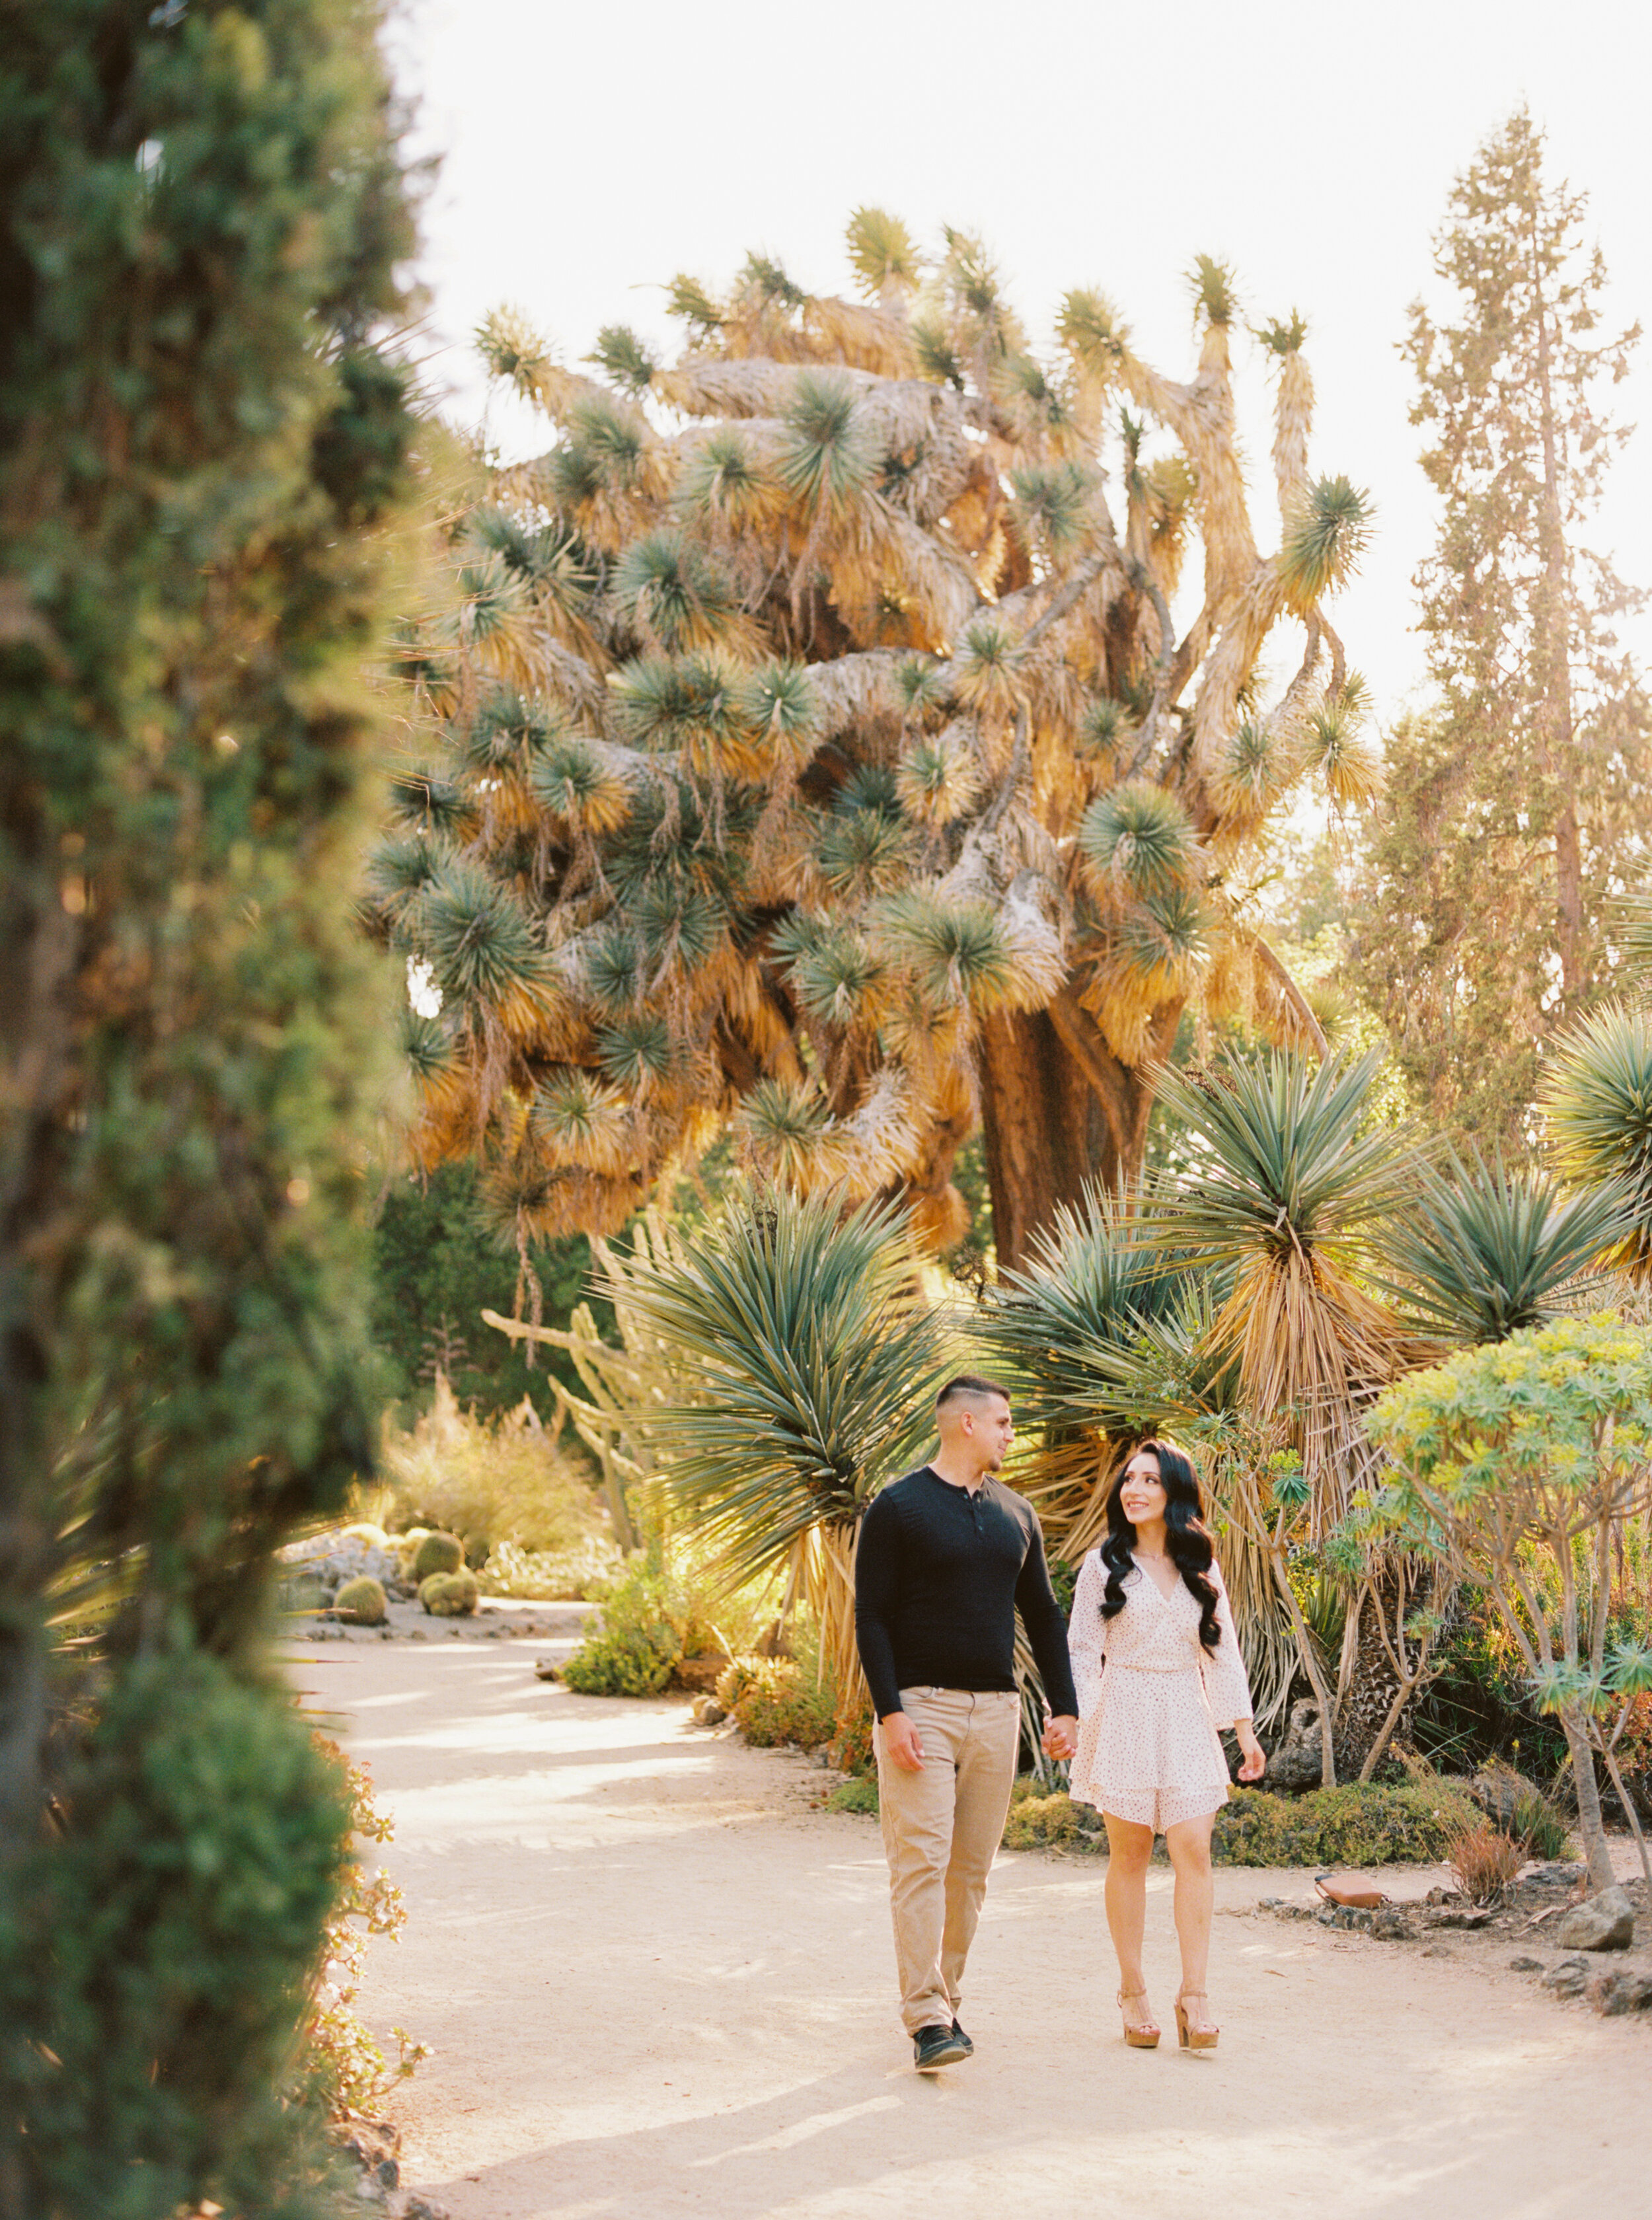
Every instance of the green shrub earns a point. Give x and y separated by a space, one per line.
478 1550
438 1553
362 1602
783 1702
1048 1822
1351 1826
1540 1827
651 1617
450 1595
184 1910
859 1796
551 1575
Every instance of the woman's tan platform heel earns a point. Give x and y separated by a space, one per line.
1193 2038
1140 2035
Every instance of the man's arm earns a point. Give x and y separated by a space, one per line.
877 1570
1046 1631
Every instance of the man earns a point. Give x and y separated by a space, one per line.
947 1556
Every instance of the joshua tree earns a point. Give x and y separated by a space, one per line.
809 745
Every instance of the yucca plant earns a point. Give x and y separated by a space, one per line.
1293 1179
815 698
1599 1103
816 1364
1483 1252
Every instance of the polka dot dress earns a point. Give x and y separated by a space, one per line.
1147 1743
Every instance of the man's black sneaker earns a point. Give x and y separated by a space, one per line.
959 2036
937 2046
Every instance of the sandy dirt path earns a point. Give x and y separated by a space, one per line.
659 1982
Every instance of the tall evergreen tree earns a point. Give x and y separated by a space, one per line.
1519 807
202 433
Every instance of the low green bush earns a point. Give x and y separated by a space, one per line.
651 1616
503 1478
783 1702
859 1795
438 1553
1044 1823
450 1595
1351 1826
362 1602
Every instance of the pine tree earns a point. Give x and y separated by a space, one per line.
810 749
1519 807
201 433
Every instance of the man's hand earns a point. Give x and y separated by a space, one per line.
1060 1737
901 1743
1254 1756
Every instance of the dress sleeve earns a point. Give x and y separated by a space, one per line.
1087 1633
1226 1685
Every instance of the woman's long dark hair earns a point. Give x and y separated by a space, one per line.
1186 1536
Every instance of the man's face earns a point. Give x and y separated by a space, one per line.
992 1430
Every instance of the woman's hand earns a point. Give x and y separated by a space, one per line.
1253 1755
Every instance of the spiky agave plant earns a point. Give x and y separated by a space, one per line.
1598 1100
1293 1180
1483 1252
815 697
816 1363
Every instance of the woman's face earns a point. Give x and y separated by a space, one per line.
1142 1494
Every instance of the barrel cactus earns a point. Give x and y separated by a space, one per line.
438 1553
450 1595
362 1602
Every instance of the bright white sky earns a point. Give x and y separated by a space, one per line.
590 151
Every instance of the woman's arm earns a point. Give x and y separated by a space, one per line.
1227 1686
1087 1633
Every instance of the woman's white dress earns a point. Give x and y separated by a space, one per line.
1151 1700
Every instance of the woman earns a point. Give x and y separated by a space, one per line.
1158 1669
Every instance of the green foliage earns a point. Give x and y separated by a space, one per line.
1040 1823
858 1796
438 1553
361 1601
802 1324
1517 807
451 1595
1485 1252
203 430
784 1702
1367 1826
168 1942
650 1618
1597 1097
438 1262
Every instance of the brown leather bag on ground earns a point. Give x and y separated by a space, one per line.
1353 1895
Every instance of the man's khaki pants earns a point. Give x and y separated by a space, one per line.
941 1830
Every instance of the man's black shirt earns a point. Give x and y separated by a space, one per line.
939 1575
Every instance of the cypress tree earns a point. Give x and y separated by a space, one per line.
202 435
1517 807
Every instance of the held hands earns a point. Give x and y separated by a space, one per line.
1060 1737
1255 1757
900 1742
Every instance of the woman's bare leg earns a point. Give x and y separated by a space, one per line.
1129 1849
1188 1843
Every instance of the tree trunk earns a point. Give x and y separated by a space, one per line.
1058 1111
1590 1823
1552 645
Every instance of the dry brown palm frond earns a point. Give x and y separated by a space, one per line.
862 337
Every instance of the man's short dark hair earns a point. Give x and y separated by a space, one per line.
969 1383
